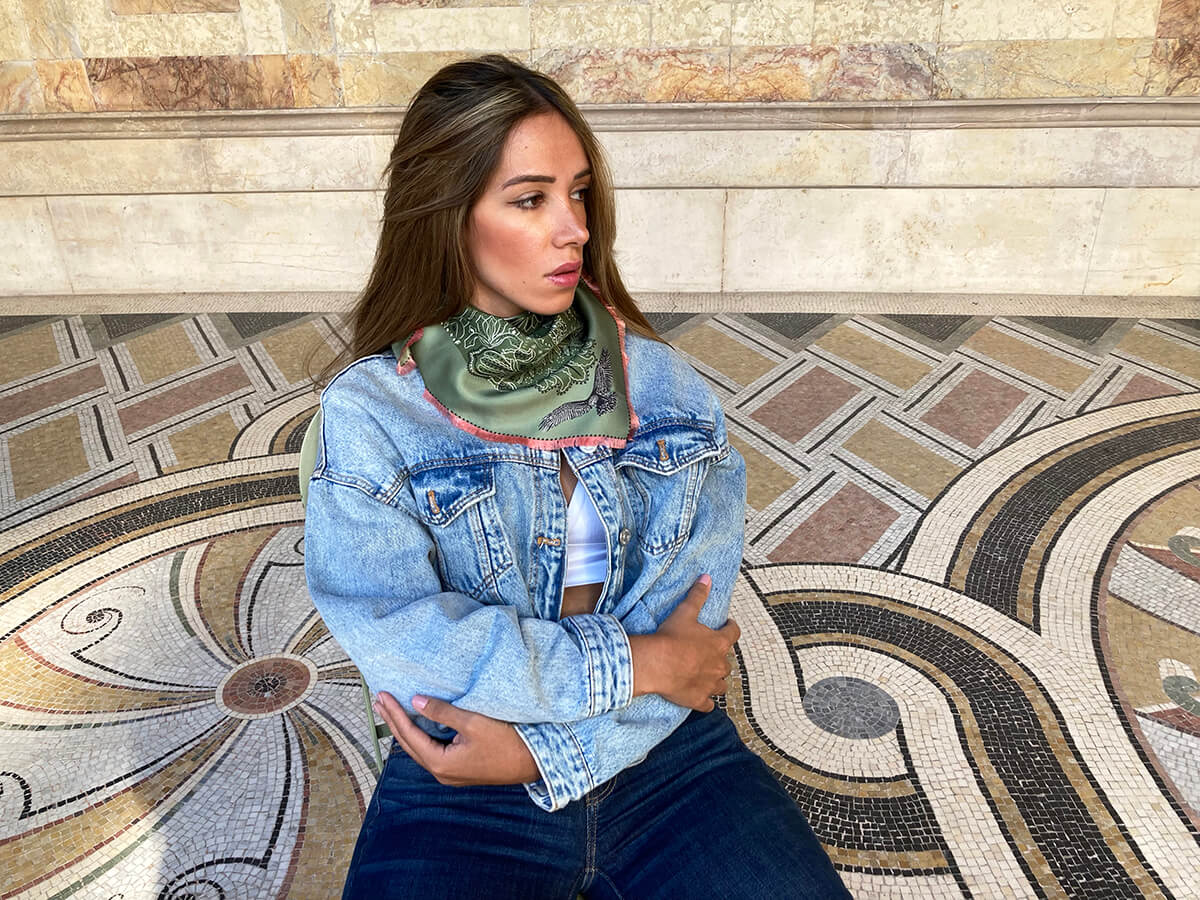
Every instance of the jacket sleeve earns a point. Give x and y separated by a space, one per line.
575 757
369 571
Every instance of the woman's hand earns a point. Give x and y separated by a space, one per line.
485 751
684 661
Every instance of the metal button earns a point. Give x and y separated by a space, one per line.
588 448
624 536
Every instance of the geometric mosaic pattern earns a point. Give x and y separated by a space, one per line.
970 605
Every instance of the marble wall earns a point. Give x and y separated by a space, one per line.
167 146
1067 211
126 55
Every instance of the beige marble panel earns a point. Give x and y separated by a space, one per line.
920 240
30 262
20 90
402 28
306 26
316 81
1027 157
390 79
354 26
1147 243
632 76
611 25
61 29
381 151
1136 18
874 21
262 24
1006 69
14 35
343 162
1014 20
65 86
124 166
754 158
654 254
192 34
772 23
690 23
204 242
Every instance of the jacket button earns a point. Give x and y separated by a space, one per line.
624 536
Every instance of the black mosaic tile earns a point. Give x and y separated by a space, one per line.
790 325
937 328
119 326
249 324
1082 328
15 323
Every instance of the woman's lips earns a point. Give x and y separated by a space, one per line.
566 278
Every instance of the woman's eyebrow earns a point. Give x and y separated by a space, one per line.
548 179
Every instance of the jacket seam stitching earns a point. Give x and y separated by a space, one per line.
587 771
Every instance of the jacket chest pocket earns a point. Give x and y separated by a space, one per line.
457 503
663 469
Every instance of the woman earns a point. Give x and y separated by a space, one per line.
524 524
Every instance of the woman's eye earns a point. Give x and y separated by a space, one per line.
582 191
529 202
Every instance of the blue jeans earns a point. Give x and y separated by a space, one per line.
700 817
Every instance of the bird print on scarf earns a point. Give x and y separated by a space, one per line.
601 397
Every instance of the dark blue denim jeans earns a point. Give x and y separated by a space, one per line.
700 817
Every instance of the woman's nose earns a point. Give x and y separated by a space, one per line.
571 224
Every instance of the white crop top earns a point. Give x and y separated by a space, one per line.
587 549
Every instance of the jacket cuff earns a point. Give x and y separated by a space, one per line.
560 760
609 661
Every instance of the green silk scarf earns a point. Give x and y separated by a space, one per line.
541 381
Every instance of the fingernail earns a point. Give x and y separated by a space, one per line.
419 701
706 578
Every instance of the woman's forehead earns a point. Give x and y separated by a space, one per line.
544 145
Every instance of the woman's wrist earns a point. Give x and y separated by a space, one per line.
645 651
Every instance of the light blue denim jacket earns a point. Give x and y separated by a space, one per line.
436 558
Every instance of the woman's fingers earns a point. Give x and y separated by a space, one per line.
731 631
697 594
415 742
445 713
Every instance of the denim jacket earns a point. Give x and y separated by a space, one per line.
437 558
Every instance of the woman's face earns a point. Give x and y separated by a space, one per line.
530 221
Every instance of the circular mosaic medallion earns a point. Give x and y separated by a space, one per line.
851 707
265 687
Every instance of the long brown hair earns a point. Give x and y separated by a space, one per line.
448 146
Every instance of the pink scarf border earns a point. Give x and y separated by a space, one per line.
407 364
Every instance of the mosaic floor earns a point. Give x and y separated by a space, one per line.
970 606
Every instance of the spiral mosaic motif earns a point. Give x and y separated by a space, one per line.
184 674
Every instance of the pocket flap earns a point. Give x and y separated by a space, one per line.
444 491
667 448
